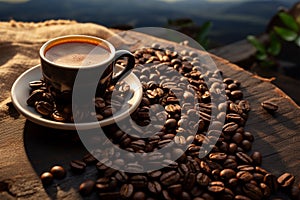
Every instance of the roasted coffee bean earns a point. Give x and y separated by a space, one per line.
99 103
244 176
246 145
244 158
241 197
185 196
58 172
218 156
109 172
269 106
57 116
202 179
77 166
216 186
126 191
230 163
233 182
286 180
248 136
169 178
189 181
205 167
171 123
155 174
227 174
121 176
36 95
257 158
86 187
46 178
236 94
36 84
227 194
233 117
271 181
232 87
228 81
166 195
258 177
237 138
154 187
265 189
103 184
44 108
230 128
89 159
232 148
180 140
139 181
101 167
252 191
139 196
244 105
248 168
261 170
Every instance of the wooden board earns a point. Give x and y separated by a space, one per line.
28 149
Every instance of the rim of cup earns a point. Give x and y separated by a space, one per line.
77 38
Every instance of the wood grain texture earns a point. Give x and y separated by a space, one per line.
28 149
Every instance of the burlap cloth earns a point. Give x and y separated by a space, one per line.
20 43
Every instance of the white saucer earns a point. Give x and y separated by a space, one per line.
20 93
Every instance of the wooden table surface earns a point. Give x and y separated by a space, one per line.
28 149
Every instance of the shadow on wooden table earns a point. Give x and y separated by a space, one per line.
46 147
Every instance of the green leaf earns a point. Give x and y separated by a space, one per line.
256 43
297 41
289 21
204 30
261 56
286 34
275 45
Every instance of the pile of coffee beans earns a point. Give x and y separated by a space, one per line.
227 171
58 107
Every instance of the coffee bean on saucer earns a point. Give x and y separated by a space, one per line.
36 84
58 172
35 96
44 108
57 116
46 178
77 166
86 187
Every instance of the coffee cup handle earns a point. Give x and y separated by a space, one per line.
130 64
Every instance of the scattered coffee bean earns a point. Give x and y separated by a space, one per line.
227 172
58 172
269 106
46 178
77 166
86 187
286 180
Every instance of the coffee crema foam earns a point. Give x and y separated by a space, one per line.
77 54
